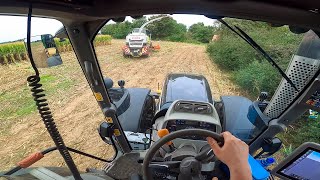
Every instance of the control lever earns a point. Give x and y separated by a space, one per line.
105 131
164 132
262 100
121 83
263 96
269 147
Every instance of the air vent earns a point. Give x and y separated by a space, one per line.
202 109
300 71
184 107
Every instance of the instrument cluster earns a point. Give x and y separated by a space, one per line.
175 125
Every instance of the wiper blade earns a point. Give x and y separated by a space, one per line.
258 48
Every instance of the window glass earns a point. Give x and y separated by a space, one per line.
224 66
75 111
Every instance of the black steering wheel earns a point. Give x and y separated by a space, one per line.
193 162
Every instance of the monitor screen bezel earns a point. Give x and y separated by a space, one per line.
296 154
293 160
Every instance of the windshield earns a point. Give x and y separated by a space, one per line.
183 57
237 72
195 88
136 30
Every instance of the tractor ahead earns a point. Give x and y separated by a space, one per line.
138 42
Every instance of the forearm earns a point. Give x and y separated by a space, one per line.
240 173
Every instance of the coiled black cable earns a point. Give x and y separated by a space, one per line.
43 108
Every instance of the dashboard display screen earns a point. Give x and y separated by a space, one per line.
175 125
305 167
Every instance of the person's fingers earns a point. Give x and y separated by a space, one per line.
227 136
214 145
215 178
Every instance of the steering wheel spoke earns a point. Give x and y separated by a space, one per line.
165 169
168 164
206 154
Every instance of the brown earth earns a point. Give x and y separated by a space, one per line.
39 54
76 113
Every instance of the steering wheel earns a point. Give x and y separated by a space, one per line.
187 165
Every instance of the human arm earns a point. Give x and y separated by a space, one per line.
234 153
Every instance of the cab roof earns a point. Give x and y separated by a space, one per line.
294 12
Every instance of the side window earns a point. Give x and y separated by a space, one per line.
70 99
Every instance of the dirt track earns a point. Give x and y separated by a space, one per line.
76 113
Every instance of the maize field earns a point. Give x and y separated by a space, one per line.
16 51
12 52
99 40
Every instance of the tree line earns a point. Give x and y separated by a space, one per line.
165 29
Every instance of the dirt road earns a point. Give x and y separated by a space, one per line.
76 113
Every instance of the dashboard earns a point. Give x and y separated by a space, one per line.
175 125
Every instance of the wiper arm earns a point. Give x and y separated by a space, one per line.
258 48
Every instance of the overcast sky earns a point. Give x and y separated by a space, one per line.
14 27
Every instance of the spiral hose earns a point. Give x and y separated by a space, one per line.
43 108
47 118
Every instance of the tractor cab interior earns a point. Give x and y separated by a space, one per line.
160 133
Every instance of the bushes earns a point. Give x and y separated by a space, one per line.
250 70
231 53
302 130
257 77
118 30
201 33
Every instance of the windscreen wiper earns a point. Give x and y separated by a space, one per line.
258 48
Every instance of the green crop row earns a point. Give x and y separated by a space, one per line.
12 52
12 48
16 51
65 45
102 40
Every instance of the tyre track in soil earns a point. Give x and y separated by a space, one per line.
78 118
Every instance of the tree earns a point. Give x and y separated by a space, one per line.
201 33
138 22
118 30
123 29
109 29
166 27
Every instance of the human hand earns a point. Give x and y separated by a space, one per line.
234 153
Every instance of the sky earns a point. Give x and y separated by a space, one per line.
15 27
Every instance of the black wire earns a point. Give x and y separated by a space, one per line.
29 41
86 154
43 108
51 149
46 151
